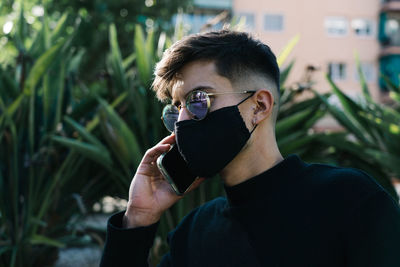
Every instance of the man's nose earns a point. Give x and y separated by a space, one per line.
184 114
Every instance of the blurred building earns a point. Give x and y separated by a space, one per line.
331 34
207 14
389 38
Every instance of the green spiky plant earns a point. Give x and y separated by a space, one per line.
371 140
33 97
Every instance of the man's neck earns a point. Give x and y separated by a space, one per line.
250 162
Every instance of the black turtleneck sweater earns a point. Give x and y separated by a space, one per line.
294 214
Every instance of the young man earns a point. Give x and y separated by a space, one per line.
278 212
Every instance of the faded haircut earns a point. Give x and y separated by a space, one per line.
235 54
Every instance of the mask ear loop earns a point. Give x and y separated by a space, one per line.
255 126
252 93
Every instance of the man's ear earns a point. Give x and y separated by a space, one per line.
263 101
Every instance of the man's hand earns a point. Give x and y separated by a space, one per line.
149 193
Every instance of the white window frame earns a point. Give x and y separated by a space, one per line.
247 15
334 71
329 25
276 15
363 34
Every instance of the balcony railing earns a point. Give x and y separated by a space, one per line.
391 5
214 4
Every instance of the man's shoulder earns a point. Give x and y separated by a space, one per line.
211 208
348 182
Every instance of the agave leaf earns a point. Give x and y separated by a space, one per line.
121 139
86 105
84 133
367 163
179 32
283 140
290 107
10 85
150 49
352 108
142 56
139 102
285 72
390 132
46 34
296 145
390 161
93 152
287 50
363 82
41 66
95 121
128 61
60 95
5 249
75 61
14 256
311 121
43 240
286 96
339 140
341 117
390 84
58 31
116 61
21 30
162 42
42 41
168 42
395 96
289 123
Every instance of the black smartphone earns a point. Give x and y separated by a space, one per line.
174 168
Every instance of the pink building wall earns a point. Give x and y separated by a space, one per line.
316 47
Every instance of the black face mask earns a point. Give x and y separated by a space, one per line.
210 144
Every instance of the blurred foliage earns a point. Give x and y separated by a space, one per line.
371 140
94 17
35 177
65 135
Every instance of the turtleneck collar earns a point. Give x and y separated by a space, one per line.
251 189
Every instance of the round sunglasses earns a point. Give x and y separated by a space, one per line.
197 103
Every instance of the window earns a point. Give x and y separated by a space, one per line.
273 22
362 27
337 71
392 29
336 26
249 19
368 70
194 22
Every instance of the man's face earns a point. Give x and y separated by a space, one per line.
202 75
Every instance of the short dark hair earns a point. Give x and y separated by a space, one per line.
235 54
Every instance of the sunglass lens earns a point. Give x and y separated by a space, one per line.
197 104
170 116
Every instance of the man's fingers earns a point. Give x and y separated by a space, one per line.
153 153
168 140
163 146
